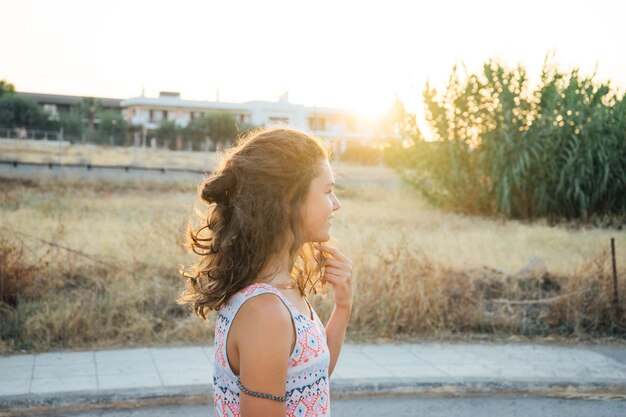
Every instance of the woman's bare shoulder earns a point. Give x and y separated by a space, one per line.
264 311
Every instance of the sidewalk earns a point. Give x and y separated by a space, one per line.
63 379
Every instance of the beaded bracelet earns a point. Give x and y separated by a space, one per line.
260 394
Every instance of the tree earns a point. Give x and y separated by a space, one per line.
245 127
502 146
6 88
134 133
398 123
88 108
112 127
197 130
222 128
168 129
17 111
72 125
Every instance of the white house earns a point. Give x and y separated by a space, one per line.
337 125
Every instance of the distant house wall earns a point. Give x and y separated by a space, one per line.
57 105
149 112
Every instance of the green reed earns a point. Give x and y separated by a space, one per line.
501 146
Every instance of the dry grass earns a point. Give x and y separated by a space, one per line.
385 217
42 151
418 272
45 152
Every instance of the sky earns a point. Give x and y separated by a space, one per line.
358 55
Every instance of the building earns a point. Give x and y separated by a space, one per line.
58 105
337 125
330 123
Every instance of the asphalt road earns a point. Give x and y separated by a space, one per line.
615 353
411 406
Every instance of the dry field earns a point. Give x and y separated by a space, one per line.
50 151
40 151
94 264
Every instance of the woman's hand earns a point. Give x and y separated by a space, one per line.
338 272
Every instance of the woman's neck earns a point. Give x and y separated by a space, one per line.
276 271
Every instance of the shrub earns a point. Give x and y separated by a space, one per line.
558 150
17 274
362 154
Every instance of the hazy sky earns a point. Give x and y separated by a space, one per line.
353 54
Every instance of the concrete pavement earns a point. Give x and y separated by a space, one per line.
106 377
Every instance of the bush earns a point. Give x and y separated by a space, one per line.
558 150
17 275
361 154
18 111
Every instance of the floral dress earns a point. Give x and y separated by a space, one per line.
307 374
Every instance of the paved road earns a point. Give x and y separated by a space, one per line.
405 407
616 353
66 379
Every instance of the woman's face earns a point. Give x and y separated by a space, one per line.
320 205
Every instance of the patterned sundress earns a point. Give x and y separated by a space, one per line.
307 374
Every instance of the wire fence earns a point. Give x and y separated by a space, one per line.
35 134
89 167
21 133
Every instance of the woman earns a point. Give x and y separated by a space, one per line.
271 203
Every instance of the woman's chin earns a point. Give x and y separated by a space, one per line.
321 234
322 237
326 238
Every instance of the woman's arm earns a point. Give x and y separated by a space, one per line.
336 333
264 337
338 272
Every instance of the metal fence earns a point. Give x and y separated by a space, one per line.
23 133
89 167
19 133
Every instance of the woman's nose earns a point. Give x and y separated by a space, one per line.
336 204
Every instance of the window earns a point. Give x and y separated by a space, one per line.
317 123
279 120
151 118
164 114
51 110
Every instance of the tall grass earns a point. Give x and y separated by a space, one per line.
104 261
421 297
50 152
556 150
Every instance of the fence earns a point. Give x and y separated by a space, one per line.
23 133
89 167
20 133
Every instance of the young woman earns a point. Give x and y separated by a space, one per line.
271 202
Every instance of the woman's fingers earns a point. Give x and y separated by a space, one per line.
333 278
334 263
339 273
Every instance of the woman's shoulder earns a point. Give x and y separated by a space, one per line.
262 298
257 287
240 296
267 304
263 315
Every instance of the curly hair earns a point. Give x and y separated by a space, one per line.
254 198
